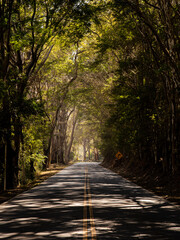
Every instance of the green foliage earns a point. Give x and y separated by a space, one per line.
28 32
141 114
32 150
114 62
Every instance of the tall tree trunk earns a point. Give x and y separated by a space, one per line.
173 136
71 138
89 152
5 166
49 158
12 176
84 150
96 155
12 148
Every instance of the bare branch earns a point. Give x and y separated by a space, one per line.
151 5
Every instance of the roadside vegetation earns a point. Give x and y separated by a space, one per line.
84 80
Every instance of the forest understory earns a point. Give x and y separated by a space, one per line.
150 178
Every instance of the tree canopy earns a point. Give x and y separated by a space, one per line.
87 79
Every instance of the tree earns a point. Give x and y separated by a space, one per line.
26 40
144 37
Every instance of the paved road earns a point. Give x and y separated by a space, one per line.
86 201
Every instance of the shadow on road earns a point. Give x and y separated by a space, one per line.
122 210
53 210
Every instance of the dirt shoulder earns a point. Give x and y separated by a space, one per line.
151 179
42 176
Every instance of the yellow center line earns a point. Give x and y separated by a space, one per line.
85 226
93 230
88 203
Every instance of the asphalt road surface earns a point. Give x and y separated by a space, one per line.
86 201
